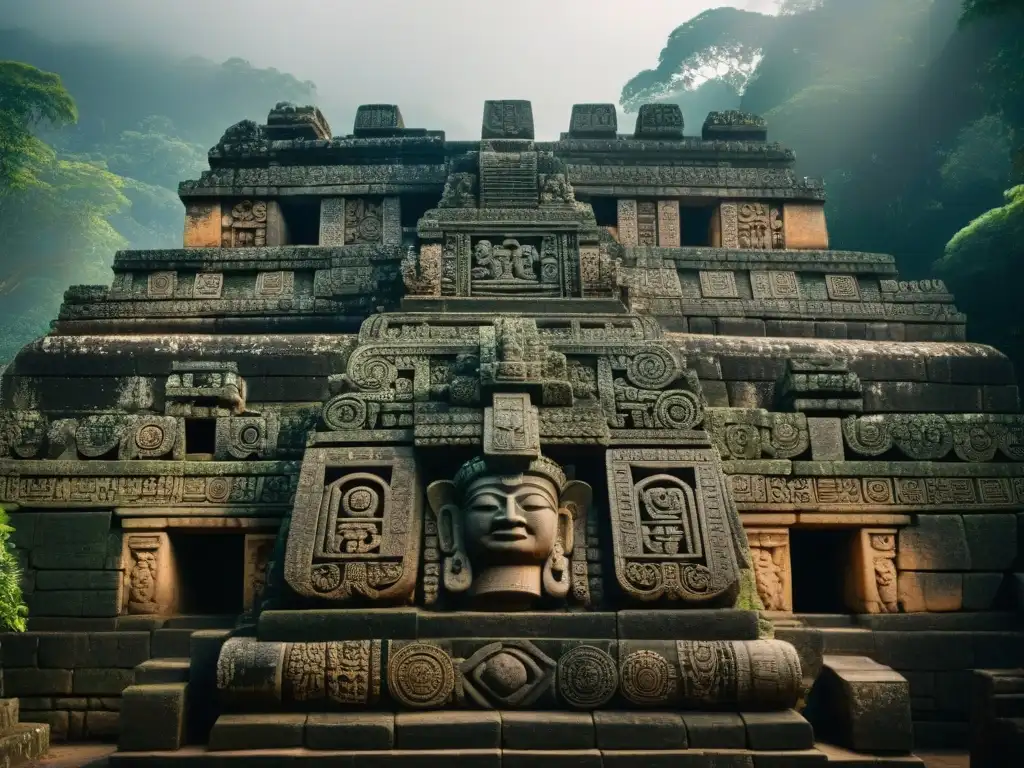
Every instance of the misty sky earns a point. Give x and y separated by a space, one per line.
438 59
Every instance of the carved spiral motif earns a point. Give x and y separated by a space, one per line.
787 439
372 373
218 489
868 436
697 578
421 676
249 436
976 442
160 283
150 437
678 410
369 228
743 441
325 577
877 490
587 677
1011 443
361 501
653 368
643 575
647 678
345 412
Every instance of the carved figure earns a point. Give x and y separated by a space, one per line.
142 582
885 579
508 535
768 577
509 261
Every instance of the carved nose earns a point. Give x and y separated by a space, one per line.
510 516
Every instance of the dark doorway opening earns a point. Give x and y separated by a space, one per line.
210 572
819 558
301 220
200 438
606 211
413 208
695 224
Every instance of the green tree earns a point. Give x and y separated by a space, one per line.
13 610
29 100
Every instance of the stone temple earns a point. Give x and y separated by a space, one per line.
505 452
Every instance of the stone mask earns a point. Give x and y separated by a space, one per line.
503 533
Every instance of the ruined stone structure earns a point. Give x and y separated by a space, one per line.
508 452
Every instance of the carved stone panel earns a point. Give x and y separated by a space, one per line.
332 221
364 221
728 226
355 529
774 285
391 221
274 284
647 222
627 224
669 233
149 573
717 284
672 525
208 285
759 227
769 550
161 285
871 585
511 428
245 225
258 549
842 287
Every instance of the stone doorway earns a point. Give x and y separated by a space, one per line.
819 559
209 567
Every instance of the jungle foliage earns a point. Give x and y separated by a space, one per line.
90 160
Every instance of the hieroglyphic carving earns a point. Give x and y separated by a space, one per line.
752 674
774 285
161 285
249 673
753 433
769 549
353 672
208 285
332 221
364 221
355 528
648 679
587 677
151 437
842 287
273 284
718 285
511 427
304 673
245 226
672 525
627 223
728 217
420 676
759 226
243 437
930 436
507 675
669 231
647 222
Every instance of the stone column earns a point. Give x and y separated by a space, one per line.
627 223
871 585
669 232
391 215
277 227
332 221
769 550
258 549
203 224
804 226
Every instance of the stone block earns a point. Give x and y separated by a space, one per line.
75 603
99 649
79 702
741 326
448 730
952 691
552 758
102 682
981 590
715 730
20 650
205 645
263 731
862 705
593 626
79 580
810 758
57 722
924 650
770 731
803 226
24 742
71 540
826 436
326 625
102 724
991 541
722 624
153 717
932 592
996 649
716 393
848 640
154 671
8 714
350 730
547 730
831 330
35 702
171 643
202 225
810 647
37 682
644 730
935 543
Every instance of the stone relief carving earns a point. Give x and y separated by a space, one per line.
673 526
355 528
930 437
744 433
769 550
364 221
507 537
245 226
759 226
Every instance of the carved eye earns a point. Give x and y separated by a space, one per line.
534 503
485 504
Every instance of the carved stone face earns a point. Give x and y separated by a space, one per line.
511 520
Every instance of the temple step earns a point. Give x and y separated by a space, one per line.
166 670
20 742
826 620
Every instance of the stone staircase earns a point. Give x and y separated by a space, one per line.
20 743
